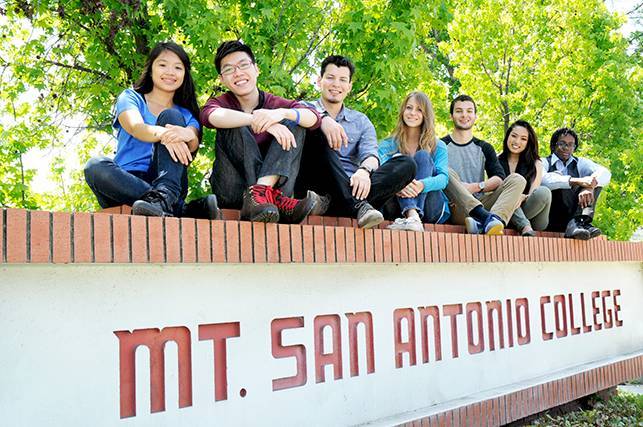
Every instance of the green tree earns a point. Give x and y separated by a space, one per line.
557 63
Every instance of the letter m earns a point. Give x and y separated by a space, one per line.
154 339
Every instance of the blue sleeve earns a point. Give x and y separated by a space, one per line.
129 99
191 120
386 150
368 141
441 161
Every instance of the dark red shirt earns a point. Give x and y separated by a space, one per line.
266 100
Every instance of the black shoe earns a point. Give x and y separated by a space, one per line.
258 204
367 215
593 231
152 203
575 230
321 203
292 211
203 208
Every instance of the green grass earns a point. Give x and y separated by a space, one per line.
623 410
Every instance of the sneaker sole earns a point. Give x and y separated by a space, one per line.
266 217
496 230
144 209
371 220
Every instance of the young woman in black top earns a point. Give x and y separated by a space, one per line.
520 155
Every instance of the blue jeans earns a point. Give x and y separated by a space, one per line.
432 206
115 186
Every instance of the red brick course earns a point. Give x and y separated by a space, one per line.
114 237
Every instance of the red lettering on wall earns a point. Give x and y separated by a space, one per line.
474 307
154 340
280 351
586 327
219 333
354 319
522 316
434 313
575 330
595 311
453 310
607 312
333 358
510 325
402 347
617 307
546 335
560 311
495 306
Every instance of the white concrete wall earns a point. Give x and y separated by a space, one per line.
59 360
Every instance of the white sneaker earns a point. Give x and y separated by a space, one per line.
411 224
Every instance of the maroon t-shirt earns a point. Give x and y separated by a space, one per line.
266 100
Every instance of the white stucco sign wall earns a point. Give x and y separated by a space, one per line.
296 344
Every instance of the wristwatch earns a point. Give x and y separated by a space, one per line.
367 169
481 186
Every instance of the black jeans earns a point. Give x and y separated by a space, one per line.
322 172
564 207
114 186
239 162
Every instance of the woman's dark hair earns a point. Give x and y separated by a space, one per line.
560 133
529 156
185 95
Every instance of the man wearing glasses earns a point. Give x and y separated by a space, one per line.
575 185
258 143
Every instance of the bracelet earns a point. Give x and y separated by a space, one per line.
369 171
298 115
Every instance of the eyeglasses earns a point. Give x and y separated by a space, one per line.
230 69
564 145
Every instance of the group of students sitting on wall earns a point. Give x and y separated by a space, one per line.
281 160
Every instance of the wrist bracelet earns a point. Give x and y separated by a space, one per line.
369 171
298 115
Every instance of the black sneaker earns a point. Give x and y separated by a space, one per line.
367 215
203 208
152 203
292 211
258 204
575 230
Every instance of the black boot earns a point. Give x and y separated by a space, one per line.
575 230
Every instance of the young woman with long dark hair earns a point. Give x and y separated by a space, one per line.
158 133
423 199
520 155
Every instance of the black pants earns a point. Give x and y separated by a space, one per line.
564 207
322 171
240 162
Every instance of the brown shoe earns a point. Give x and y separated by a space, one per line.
292 211
258 205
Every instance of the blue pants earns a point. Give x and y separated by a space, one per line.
432 206
114 186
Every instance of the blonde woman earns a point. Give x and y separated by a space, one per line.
422 200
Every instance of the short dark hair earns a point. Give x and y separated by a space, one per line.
338 61
560 133
228 47
462 98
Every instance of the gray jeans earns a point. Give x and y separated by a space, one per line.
534 211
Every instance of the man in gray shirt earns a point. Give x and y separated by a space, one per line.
341 160
468 191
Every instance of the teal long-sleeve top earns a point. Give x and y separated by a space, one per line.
388 148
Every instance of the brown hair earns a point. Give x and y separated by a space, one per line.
427 131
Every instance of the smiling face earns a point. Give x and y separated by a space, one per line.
239 73
565 147
168 71
518 140
335 84
464 115
413 114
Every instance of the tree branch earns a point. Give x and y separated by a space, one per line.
309 50
498 85
78 68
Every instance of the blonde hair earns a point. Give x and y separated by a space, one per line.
427 132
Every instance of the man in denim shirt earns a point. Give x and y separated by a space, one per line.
341 158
